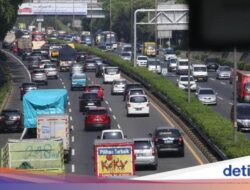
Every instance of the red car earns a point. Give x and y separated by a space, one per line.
97 118
96 89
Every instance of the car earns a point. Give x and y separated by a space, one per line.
110 74
118 86
51 71
168 139
127 48
207 96
130 86
11 120
171 64
81 56
243 116
182 83
154 65
95 88
89 99
137 105
97 118
182 66
99 70
223 72
112 134
211 63
145 152
44 62
76 68
39 76
126 56
199 72
169 53
142 61
135 91
26 87
89 65
26 53
33 62
78 81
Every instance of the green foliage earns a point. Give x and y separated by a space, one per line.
8 14
218 129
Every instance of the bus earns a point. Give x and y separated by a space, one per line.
108 39
38 40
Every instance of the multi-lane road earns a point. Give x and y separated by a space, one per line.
82 142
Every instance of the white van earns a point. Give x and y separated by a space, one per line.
110 74
199 72
182 66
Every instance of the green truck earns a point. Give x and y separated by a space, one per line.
33 155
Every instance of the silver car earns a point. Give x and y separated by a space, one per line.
118 86
207 96
51 70
145 152
39 76
126 56
223 72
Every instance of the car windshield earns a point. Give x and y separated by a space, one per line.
139 91
225 69
173 60
138 99
10 112
49 66
202 69
211 60
111 70
243 111
184 79
38 71
183 63
170 51
120 82
167 133
79 76
127 49
112 135
97 112
151 47
94 88
126 54
142 144
89 96
142 58
206 91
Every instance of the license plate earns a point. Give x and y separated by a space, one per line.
9 122
139 154
91 104
138 109
200 78
168 141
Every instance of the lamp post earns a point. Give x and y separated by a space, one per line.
91 25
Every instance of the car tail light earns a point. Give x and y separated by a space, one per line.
21 89
90 118
153 152
1 118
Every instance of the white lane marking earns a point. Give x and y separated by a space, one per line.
114 117
70 118
106 102
19 62
211 78
60 79
69 103
220 98
72 127
223 83
119 127
64 86
73 152
72 139
230 103
110 109
73 168
70 110
62 83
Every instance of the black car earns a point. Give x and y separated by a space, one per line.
168 139
212 63
129 87
89 99
99 70
34 62
81 56
25 54
11 120
243 116
89 65
26 87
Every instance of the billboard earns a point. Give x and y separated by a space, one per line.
79 9
115 161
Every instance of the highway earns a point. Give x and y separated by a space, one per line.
82 142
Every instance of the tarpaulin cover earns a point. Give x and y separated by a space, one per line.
41 102
67 53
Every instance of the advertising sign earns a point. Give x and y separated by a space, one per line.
53 9
115 161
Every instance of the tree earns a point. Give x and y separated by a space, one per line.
8 15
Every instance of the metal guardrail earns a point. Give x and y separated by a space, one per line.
210 147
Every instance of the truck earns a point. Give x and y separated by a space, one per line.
86 38
33 155
114 157
149 49
45 113
9 39
24 43
243 85
66 57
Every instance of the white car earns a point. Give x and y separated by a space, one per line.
126 56
135 91
110 74
199 72
112 134
118 86
43 63
154 66
182 66
51 71
142 61
169 53
137 105
182 83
